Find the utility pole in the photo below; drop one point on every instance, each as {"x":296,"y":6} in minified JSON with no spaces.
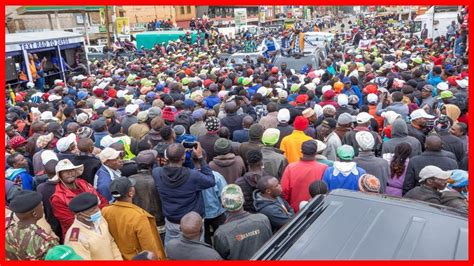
{"x":107,"y":25}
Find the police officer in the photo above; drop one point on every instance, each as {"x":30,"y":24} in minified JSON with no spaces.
{"x":25,"y":240}
{"x":89,"y":234}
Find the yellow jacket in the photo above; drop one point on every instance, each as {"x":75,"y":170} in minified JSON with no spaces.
{"x":92,"y":245}
{"x":133,"y":229}
{"x":291,"y":145}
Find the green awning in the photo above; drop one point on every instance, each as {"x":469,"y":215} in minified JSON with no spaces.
{"x":29,"y":10}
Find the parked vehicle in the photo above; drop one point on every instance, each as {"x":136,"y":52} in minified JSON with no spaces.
{"x":348,"y":225}
{"x":436,"y":19}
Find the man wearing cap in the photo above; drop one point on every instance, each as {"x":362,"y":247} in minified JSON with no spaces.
{"x":243,"y":233}
{"x":363,"y":122}
{"x":140,"y":129}
{"x":100,"y":130}
{"x":427,"y":99}
{"x":254,"y":142}
{"x":299,"y":175}
{"x":198,"y":128}
{"x":66,"y":189}
{"x":400,"y":135}
{"x":330,"y":138}
{"x":433,"y":181}
{"x":344,"y":125}
{"x":146,"y":196}
{"x":112,"y":161}
{"x":89,"y":234}
{"x":291,"y":144}
{"x":433,"y":155}
{"x":180,"y":188}
{"x":25,"y":240}
{"x":67,"y":147}
{"x":283,"y":118}
{"x":130,"y":118}
{"x":344,"y":174}
{"x":366,"y":159}
{"x":207,"y":141}
{"x":225,"y":162}
{"x":274,"y":162}
{"x":133,"y":229}
{"x":417,"y":126}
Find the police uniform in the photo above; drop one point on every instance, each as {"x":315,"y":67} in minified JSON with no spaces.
{"x":90,"y":242}
{"x":27,"y":242}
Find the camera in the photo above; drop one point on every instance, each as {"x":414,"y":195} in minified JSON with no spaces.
{"x":189,"y":144}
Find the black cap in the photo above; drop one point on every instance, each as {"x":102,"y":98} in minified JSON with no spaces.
{"x":330,"y":122}
{"x":25,"y":201}
{"x":83,"y":201}
{"x":120,"y":186}
{"x":309,"y":147}
{"x":99,"y":123}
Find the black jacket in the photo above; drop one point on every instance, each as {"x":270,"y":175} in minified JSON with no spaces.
{"x":248,"y":183}
{"x":442,"y":159}
{"x":91,"y":166}
{"x":452,"y":144}
{"x":278,"y":211}
{"x":233,"y":122}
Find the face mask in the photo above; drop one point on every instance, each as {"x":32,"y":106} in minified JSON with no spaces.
{"x":95,"y":217}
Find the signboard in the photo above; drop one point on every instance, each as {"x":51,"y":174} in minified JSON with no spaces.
{"x":240,"y":16}
{"x":307,"y":14}
{"x":123,"y":25}
{"x":41,"y":44}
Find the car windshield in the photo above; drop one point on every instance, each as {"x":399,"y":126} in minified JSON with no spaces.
{"x":240,"y":58}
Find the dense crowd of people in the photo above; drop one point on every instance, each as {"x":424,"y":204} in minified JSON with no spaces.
{"x":180,"y":155}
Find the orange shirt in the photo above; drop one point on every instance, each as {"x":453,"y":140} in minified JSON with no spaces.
{"x":291,"y":145}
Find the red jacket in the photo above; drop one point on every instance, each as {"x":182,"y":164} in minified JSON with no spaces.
{"x":297,"y":178}
{"x":63,"y":195}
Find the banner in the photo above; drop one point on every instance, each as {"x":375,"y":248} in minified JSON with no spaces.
{"x":262,"y":16}
{"x":240,"y":16}
{"x":123,"y":25}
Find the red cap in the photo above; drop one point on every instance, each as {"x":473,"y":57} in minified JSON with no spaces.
{"x":302,"y":99}
{"x":301,"y":123}
{"x":112,"y":93}
{"x":274,"y":70}
{"x":207,"y":82}
{"x":371,"y":88}
{"x":329,"y":94}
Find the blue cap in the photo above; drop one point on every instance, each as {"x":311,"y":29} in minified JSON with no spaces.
{"x":36,"y":99}
{"x":81,"y":95}
{"x":188,"y":103}
{"x":346,"y":80}
{"x":151,"y":94}
{"x":71,"y":91}
{"x":159,"y":87}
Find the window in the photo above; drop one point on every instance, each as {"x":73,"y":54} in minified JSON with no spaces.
{"x":181,"y":10}
{"x":188,"y":9}
{"x":79,"y":19}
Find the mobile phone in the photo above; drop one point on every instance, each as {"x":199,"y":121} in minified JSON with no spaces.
{"x":189,"y":144}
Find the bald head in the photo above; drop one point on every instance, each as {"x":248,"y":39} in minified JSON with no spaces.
{"x":191,"y":225}
{"x":247,"y":121}
{"x":433,"y":143}
{"x":85,"y":145}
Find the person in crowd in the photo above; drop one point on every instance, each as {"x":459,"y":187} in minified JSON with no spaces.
{"x":248,"y":182}
{"x":180,"y":188}
{"x":24,"y":239}
{"x":398,"y":169}
{"x":111,"y":160}
{"x":243,"y":233}
{"x":299,"y":175}
{"x":330,"y":137}
{"x":344,"y":173}
{"x":86,"y":157}
{"x":399,"y":134}
{"x":267,"y":200}
{"x":89,"y":234}
{"x":274,"y":162}
{"x":291,"y":144}
{"x":367,"y":160}
{"x":133,"y":229}
{"x":316,"y":188}
{"x":225,"y":162}
{"x":189,"y":246}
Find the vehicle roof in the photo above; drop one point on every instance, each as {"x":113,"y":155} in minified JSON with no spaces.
{"x":347,"y":225}
{"x":13,"y":38}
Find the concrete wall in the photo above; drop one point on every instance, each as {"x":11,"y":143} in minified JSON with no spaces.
{"x":145,"y":14}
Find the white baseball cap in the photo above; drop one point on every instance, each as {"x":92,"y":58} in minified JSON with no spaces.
{"x":442,"y":86}
{"x":433,"y":171}
{"x":131,"y":108}
{"x":372,"y":98}
{"x":420,"y":113}
{"x":109,"y":154}
{"x":363,"y":117}
{"x":283,"y":115}
{"x":342,"y":100}
{"x":463,"y":83}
